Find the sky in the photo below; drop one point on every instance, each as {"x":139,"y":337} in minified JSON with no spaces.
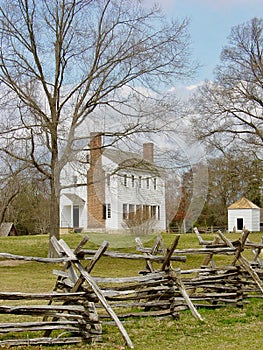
{"x":210,"y":25}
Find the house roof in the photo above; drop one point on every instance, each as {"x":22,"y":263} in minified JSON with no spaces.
{"x":6,"y":228}
{"x":128,"y":160}
{"x":243,"y":203}
{"x":74,"y":198}
{"x":118,"y":156}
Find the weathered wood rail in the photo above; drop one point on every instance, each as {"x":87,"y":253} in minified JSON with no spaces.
{"x":73,"y":317}
{"x":72,"y":313}
{"x":80,"y":303}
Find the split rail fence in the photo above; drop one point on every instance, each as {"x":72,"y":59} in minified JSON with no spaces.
{"x":81,"y":303}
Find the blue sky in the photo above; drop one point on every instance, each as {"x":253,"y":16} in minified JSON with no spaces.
{"x":211,"y":23}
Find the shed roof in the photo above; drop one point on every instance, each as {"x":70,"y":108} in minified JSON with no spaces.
{"x":243,"y":203}
{"x":74,"y":198}
{"x":7,"y":229}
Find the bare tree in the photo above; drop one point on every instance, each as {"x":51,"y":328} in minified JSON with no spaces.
{"x":230,"y":109}
{"x":231,"y":176}
{"x":65,"y":64}
{"x":10,"y":183}
{"x":22,"y":191}
{"x":9,"y":190}
{"x":172,"y":195}
{"x":29,"y":210}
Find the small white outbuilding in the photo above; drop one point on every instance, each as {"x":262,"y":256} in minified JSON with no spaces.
{"x":243,"y":214}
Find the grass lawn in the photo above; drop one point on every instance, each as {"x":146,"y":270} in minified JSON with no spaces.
{"x":225,"y":328}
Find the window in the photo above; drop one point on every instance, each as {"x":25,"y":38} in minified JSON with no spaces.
{"x":146,"y":212}
{"x":133,"y":180}
{"x":148,"y":183}
{"x":155,"y":183}
{"x":125,"y":211}
{"x":125,"y":180}
{"x":153,"y":211}
{"x":140,"y":182}
{"x":140,"y":211}
{"x":108,"y":211}
{"x":131,"y":211}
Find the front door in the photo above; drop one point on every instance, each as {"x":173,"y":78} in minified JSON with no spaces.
{"x":240,"y":224}
{"x":75,"y":216}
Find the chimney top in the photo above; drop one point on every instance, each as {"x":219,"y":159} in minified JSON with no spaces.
{"x":148,"y":151}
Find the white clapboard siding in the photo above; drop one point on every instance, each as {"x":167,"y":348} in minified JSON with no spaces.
{"x":246,"y":211}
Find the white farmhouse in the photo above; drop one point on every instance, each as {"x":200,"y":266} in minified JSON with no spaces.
{"x":123,"y":189}
{"x":243,"y":214}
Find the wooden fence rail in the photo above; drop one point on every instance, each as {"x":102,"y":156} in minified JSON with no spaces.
{"x":80,"y":303}
{"x":72,"y":314}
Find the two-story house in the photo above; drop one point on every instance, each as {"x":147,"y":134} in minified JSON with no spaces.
{"x":123,"y":189}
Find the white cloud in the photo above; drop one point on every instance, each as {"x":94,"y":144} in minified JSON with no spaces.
{"x":184,"y":91}
{"x":193,"y":87}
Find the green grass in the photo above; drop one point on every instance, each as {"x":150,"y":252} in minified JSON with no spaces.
{"x":224,"y":328}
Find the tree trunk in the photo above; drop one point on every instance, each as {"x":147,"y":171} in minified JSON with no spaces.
{"x":54,"y":217}
{"x":6,"y":199}
{"x":54,"y":197}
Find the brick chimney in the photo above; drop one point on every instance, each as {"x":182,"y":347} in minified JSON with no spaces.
{"x":95,"y":148}
{"x":96,"y":184}
{"x":148,"y":151}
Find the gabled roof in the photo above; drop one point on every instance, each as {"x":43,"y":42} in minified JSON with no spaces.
{"x":75,"y":199}
{"x":243,"y":203}
{"x":128,"y":160}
